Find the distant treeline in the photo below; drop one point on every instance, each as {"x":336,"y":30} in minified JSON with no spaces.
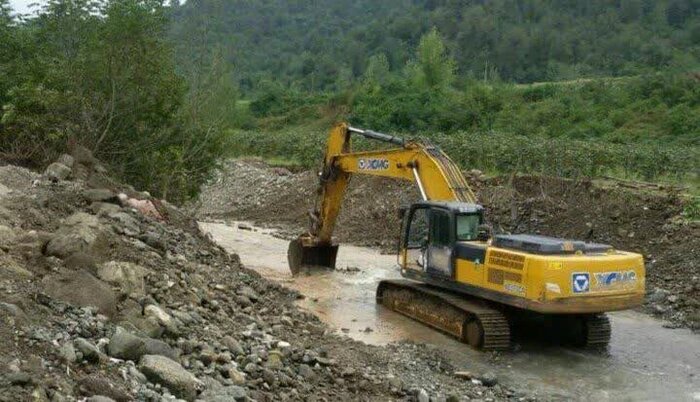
{"x":315,"y":45}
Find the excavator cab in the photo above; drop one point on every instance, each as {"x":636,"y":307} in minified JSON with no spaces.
{"x":433,"y":231}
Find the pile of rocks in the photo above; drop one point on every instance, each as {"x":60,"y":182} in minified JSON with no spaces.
{"x":105,"y":299}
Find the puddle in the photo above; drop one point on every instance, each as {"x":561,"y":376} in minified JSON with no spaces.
{"x":646,"y":362}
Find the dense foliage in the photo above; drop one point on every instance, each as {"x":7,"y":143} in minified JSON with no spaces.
{"x":324,"y":44}
{"x":497,"y":153}
{"x":101,"y":74}
{"x":640,"y":127}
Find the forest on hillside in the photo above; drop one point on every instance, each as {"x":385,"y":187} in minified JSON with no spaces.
{"x":163,"y":92}
{"x":317,"y":45}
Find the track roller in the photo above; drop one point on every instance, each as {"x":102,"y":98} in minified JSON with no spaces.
{"x":470,"y":321}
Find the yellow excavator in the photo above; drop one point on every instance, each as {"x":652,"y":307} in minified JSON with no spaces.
{"x":459,"y":277}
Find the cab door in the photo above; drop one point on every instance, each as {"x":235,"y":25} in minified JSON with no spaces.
{"x":440,"y":243}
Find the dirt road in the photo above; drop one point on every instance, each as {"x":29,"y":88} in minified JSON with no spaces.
{"x":646,"y":361}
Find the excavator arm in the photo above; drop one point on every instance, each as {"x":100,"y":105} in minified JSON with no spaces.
{"x":438,"y":178}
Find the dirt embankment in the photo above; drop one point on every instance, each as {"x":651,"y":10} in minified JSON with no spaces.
{"x":107,"y":292}
{"x":645,"y":219}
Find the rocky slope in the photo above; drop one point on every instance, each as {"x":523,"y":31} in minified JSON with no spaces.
{"x":107,"y":294}
{"x":642,"y":218}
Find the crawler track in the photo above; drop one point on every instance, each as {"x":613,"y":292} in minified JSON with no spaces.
{"x":469,"y":320}
{"x":596,"y":331}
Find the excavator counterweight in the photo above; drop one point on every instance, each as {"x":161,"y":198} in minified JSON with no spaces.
{"x":460,"y":278}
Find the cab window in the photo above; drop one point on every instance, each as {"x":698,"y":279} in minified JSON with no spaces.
{"x":418,"y":228}
{"x":439,"y":228}
{"x":468,"y":227}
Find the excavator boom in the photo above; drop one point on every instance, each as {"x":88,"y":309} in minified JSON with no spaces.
{"x":436,"y":175}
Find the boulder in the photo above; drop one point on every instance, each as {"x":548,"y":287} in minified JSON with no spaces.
{"x":78,"y":233}
{"x":98,"y":385}
{"x":101,"y":195}
{"x":488,"y":379}
{"x":89,"y":351}
{"x":125,"y":345}
{"x":104,"y":208}
{"x":129,"y":277}
{"x":12,"y":310}
{"x":7,"y":237}
{"x":170,"y":374}
{"x":57,"y":172}
{"x":80,"y":288}
{"x":232,"y":344}
{"x":9,"y":268}
{"x":99,"y":398}
{"x":224,"y":394}
{"x":164,"y":319}
{"x":66,"y":159}
{"x":67,"y":353}
{"x":126,"y":224}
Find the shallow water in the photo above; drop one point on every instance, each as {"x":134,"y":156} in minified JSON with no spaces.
{"x":646,"y":362}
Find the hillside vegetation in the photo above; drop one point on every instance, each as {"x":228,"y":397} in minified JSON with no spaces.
{"x":322,"y":44}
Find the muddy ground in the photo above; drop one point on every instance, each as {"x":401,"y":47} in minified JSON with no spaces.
{"x":110,"y":295}
{"x":636,"y":217}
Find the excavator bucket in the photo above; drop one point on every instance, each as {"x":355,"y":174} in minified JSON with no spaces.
{"x":310,"y":258}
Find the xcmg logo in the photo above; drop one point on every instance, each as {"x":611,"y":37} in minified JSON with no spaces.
{"x":373,"y":164}
{"x":614,"y":280}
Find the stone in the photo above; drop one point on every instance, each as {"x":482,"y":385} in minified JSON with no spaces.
{"x":224,"y":394}
{"x":488,"y":379}
{"x":235,"y":376}
{"x":467,"y":375}
{"x":4,"y":190}
{"x":274,"y":360}
{"x":423,"y":396}
{"x":162,"y":317}
{"x":98,"y":385}
{"x":57,"y":172}
{"x":20,"y":378}
{"x":7,"y":237}
{"x":658,"y":295}
{"x":81,"y":289}
{"x":89,"y":351}
{"x":66,"y":159}
{"x":101,"y":195}
{"x":9,"y":266}
{"x":129,"y":277}
{"x":78,"y":233}
{"x":67,"y":353}
{"x":126,"y":224}
{"x":154,"y":240}
{"x":395,"y":382}
{"x":306,"y":372}
{"x":99,"y":398}
{"x":13,"y":310}
{"x":248,"y":292}
{"x":170,"y":374}
{"x":104,"y":208}
{"x":127,"y":346}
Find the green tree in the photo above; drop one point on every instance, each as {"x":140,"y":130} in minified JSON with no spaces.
{"x":433,"y":67}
